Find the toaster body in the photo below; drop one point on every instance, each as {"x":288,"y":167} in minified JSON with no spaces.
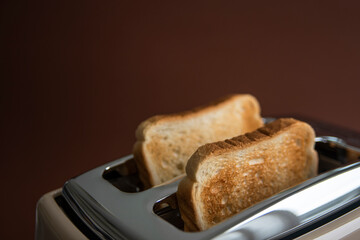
{"x":109,"y":202}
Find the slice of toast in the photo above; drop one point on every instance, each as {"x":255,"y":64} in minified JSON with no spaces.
{"x":165,"y":142}
{"x":223,"y":178}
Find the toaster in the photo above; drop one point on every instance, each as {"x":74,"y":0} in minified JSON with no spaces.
{"x":110,"y":202}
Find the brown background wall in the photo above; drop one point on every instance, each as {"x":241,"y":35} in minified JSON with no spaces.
{"x":77,"y":77}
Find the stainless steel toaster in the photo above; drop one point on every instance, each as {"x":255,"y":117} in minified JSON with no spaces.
{"x":109,"y":202}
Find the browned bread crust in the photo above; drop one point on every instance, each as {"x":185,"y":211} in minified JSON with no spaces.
{"x":165,"y":142}
{"x":226,"y":177}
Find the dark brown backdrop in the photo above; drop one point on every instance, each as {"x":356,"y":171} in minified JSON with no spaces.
{"x":77,"y":77}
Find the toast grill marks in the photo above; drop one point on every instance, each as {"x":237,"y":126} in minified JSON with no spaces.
{"x":165,"y":143}
{"x":226,"y":177}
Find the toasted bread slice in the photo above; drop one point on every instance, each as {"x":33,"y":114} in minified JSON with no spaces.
{"x":223,"y":178}
{"x":165,"y":142}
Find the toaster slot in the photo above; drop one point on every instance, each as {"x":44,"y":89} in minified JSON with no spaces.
{"x":333,"y":153}
{"x":167,"y":209}
{"x":124,"y":177}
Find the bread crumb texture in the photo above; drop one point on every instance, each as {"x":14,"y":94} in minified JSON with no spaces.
{"x":166,"y":142}
{"x":235,"y":174}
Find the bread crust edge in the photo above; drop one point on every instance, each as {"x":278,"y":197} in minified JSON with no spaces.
{"x":186,"y":194}
{"x":144,"y":164}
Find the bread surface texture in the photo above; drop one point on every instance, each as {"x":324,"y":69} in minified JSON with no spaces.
{"x":166,"y":142}
{"x":226,"y":177}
